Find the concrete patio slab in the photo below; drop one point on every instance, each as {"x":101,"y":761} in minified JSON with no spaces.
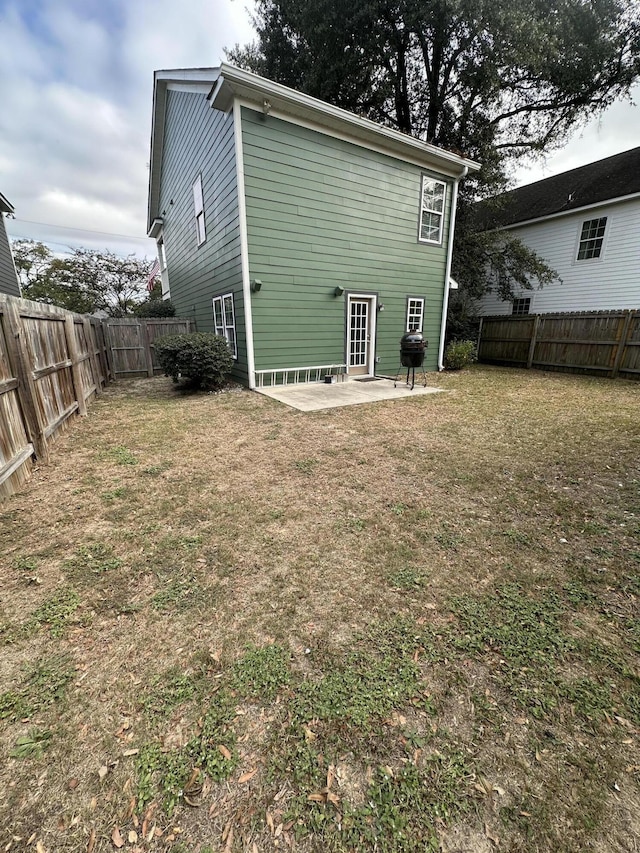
{"x":315,"y":396}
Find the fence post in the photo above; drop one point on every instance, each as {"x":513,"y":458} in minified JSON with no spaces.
{"x":621,"y":343}
{"x":76,"y":373}
{"x":91,"y":348}
{"x":532,"y":343}
{"x":144,"y":336}
{"x":479,"y":338}
{"x":26,"y":385}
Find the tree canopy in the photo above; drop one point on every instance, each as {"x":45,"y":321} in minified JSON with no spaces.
{"x":86,"y":281}
{"x":496,"y":80}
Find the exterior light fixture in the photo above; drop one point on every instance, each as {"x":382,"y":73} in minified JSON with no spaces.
{"x":256,"y":285}
{"x":338,"y":291}
{"x":380,"y":306}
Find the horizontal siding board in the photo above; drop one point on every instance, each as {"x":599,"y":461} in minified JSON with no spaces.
{"x":200,"y":140}
{"x":322,"y":212}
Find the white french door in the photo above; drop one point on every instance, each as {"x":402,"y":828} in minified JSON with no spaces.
{"x":361,"y":313}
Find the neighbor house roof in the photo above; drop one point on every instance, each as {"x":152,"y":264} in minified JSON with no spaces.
{"x":604,"y":181}
{"x":227,"y":83}
{"x":5,"y":205}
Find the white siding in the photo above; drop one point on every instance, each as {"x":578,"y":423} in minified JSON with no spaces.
{"x":604,"y":284}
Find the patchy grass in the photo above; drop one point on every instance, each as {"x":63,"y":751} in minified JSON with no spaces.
{"x":409,"y":625}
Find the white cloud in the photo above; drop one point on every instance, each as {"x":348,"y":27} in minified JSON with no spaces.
{"x":76,"y":91}
{"x":76,"y":88}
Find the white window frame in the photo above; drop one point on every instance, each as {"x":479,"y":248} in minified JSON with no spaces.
{"x":432,"y":211}
{"x":224,"y":327}
{"x":591,"y":240}
{"x":198,"y":205}
{"x":415,"y":309}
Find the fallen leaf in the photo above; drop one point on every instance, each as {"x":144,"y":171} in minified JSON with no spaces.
{"x":316,"y":798}
{"x":118,"y":840}
{"x":103,"y":772}
{"x":72,"y":784}
{"x":224,"y":751}
{"x":490,"y":836}
{"x":132,"y":837}
{"x":269,"y":818}
{"x":92,"y":841}
{"x":129,"y":752}
{"x":40,"y":848}
{"x":228,"y":845}
{"x":247,"y":776}
{"x":309,"y":735}
{"x":333,"y":798}
{"x":278,"y":831}
{"x":500,"y":791}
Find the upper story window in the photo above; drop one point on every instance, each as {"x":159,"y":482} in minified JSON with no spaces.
{"x":591,"y":239}
{"x":432,"y":198}
{"x":521,"y":306}
{"x":415,"y":314}
{"x":198,"y":204}
{"x":224,"y":320}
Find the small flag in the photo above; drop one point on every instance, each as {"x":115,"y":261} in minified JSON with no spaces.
{"x":153,"y":272}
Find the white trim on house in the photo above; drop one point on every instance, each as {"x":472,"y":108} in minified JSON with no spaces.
{"x":603,"y":240}
{"x":432,"y":211}
{"x":270,"y":96}
{"x":222,"y":328}
{"x":335,"y":133}
{"x":372,"y":300}
{"x":447,"y":274}
{"x":415,"y":315}
{"x":244,"y":246}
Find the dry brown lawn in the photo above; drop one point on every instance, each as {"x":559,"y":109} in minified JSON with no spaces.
{"x":228,"y":625}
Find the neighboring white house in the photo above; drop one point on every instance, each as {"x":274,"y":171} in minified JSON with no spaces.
{"x":585,"y":223}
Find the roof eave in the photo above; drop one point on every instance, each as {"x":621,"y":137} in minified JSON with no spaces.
{"x":5,"y":205}
{"x":557,"y":214}
{"x":237,"y":83}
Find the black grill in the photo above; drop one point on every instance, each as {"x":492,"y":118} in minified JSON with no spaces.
{"x":412,"y":347}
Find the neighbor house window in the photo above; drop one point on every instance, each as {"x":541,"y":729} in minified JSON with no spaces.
{"x":521,"y":306}
{"x":415,"y":314}
{"x":198,"y":204}
{"x":224,"y":320}
{"x":591,"y":239}
{"x":432,"y":199}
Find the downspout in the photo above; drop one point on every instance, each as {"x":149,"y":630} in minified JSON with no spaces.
{"x":445,"y":301}
{"x":244,"y":245}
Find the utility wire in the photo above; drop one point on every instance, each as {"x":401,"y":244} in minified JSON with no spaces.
{"x":83,"y":230}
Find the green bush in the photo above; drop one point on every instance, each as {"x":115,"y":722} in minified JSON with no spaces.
{"x":459,"y":354}
{"x":155,"y":307}
{"x":200,"y":359}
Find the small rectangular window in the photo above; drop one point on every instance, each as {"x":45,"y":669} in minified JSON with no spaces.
{"x":198,"y":203}
{"x":432,"y":200}
{"x":224,"y":320}
{"x":162,"y":257}
{"x":591,"y":239}
{"x":521,"y":306}
{"x":415,"y":314}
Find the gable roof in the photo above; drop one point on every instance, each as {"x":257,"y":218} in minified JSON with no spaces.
{"x":5,"y":205}
{"x":596,"y":183}
{"x":226,"y":83}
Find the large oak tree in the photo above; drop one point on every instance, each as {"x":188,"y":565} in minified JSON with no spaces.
{"x":496,"y":80}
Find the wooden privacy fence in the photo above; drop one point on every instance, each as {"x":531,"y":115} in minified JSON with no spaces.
{"x":52,"y":362}
{"x":605,"y":343}
{"x":130,"y":343}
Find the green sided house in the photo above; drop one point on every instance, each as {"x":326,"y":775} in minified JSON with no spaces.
{"x":310,"y":238}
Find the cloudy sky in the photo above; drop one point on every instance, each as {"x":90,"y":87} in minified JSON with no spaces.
{"x":75,"y":109}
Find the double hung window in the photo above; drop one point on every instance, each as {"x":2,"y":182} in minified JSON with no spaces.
{"x":224,"y":320}
{"x":198,"y":204}
{"x":432,"y":200}
{"x":591,"y":239}
{"x":415,"y":314}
